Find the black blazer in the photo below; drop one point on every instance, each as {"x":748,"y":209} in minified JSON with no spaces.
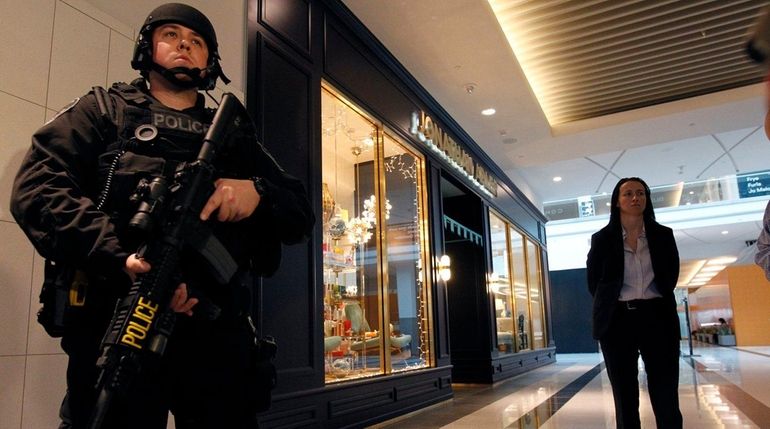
{"x":605,"y":266}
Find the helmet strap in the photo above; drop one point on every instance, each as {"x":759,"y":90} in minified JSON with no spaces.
{"x":170,"y":75}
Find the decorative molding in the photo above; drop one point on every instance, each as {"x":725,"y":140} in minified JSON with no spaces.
{"x":302,"y":47}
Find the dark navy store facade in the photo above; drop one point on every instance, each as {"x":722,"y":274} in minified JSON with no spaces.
{"x":368,"y":325}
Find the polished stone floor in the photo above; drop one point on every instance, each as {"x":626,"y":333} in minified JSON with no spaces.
{"x":719,"y":387}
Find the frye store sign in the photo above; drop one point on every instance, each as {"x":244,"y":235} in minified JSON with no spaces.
{"x":753,"y":185}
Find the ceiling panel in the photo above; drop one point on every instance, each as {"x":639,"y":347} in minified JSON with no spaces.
{"x":593,"y":58}
{"x":751,"y":150}
{"x":682,"y":158}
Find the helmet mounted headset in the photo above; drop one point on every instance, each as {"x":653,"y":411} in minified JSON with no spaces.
{"x":193,"y":19}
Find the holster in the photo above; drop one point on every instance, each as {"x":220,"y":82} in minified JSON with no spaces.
{"x":63,"y":292}
{"x":264,"y":377}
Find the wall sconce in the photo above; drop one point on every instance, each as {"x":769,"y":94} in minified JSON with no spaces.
{"x":444,"y":268}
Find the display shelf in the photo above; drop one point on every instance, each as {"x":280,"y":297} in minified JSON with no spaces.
{"x":338,"y":267}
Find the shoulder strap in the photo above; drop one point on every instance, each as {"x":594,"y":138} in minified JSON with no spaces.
{"x":106,"y":107}
{"x":130,"y":92}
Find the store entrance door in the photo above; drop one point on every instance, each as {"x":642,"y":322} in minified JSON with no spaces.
{"x":468,"y":306}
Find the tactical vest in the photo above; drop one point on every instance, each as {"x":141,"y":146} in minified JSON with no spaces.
{"x":147,"y":140}
{"x":144,"y":139}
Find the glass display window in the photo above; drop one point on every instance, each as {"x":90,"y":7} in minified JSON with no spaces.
{"x":535,"y":281}
{"x":520,"y":292}
{"x":500,"y":284}
{"x":516,"y":287}
{"x":376,"y":295}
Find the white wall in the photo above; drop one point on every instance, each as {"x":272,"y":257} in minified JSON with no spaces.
{"x":52,"y":51}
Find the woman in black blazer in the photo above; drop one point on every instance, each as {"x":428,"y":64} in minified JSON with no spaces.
{"x":632,"y":269}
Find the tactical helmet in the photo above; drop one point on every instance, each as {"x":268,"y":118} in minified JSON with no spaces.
{"x":191,"y":18}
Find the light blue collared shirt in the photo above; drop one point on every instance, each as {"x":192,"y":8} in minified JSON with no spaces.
{"x":638,"y":277}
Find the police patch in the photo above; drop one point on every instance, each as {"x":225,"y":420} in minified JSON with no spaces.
{"x":179,"y":122}
{"x":69,"y":106}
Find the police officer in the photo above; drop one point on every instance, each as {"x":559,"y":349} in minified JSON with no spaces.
{"x":72,"y":197}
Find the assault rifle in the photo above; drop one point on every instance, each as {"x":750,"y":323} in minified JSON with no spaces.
{"x":169,"y":216}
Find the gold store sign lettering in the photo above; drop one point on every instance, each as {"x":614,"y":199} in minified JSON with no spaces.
{"x":431,"y":134}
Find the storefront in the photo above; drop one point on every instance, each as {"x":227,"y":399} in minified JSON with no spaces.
{"x":427,"y":264}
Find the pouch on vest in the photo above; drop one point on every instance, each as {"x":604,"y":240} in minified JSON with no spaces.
{"x":63,"y":293}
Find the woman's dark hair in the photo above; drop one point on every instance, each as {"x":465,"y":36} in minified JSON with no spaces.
{"x":649,"y":213}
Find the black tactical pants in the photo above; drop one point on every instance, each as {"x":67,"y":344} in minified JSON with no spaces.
{"x":205,"y":379}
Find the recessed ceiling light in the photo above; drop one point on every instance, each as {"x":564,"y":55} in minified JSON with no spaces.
{"x":557,"y":179}
{"x":488,"y":112}
{"x":705,"y":276}
{"x":725,"y":232}
{"x":725,"y":260}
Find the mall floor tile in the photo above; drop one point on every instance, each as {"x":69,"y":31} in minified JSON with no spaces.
{"x":719,"y":387}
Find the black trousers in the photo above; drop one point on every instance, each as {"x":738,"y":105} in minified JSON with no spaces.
{"x":205,"y":379}
{"x":649,"y":328}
